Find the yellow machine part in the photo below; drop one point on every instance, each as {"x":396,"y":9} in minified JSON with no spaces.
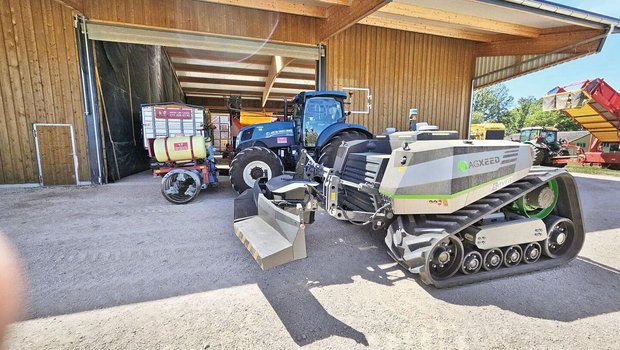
{"x":180,"y":148}
{"x":249,"y":118}
{"x":594,"y":120}
{"x":478,"y":131}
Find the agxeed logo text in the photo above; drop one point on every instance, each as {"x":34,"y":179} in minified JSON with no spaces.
{"x":464,"y":165}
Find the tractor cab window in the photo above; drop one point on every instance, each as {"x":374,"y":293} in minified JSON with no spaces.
{"x":550,"y":136}
{"x":319,"y":113}
{"x":525,"y":135}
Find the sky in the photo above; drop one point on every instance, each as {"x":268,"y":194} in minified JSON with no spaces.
{"x":605,"y":64}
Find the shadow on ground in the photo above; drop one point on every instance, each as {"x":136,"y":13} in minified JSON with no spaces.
{"x":583,"y":288}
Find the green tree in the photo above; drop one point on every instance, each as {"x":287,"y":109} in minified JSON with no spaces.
{"x":494,"y":103}
{"x":477,"y":117}
{"x":556,"y":119}
{"x":525,"y":107}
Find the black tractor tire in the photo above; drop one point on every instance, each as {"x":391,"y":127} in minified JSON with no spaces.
{"x":327,"y":154}
{"x":538,"y":154}
{"x":251,"y":157}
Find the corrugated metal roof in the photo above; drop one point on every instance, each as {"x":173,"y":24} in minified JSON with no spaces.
{"x":490,"y":70}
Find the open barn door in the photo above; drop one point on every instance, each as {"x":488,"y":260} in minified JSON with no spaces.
{"x":225,"y":74}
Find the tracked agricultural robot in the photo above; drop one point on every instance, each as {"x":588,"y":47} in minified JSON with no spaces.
{"x":453,"y":211}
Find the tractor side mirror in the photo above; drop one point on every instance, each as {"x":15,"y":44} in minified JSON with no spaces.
{"x":360,"y":100}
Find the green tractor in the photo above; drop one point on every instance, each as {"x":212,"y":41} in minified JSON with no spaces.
{"x":546,"y":148}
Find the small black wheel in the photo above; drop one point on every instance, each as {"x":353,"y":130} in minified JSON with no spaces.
{"x":180,"y":186}
{"x":472,"y":262}
{"x":445,"y":258}
{"x":561,"y":236}
{"x":512,"y":255}
{"x":531,"y":253}
{"x":493,"y":259}
{"x":327,"y":154}
{"x":251,"y":164}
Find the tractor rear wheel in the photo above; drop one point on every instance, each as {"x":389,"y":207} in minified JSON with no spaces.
{"x":251,"y":164}
{"x":327,"y":154}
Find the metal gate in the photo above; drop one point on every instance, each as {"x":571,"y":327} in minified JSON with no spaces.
{"x":56,"y":154}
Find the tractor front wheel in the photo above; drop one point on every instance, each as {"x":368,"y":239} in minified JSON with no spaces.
{"x":327,"y":154}
{"x":252,"y":164}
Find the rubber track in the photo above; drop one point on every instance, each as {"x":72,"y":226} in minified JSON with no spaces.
{"x":428,"y":229}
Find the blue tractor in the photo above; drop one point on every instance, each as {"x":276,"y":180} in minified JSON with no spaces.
{"x":318,"y":125}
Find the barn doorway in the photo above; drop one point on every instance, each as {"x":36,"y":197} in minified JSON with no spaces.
{"x":226,"y":75}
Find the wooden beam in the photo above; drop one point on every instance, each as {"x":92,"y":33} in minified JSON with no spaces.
{"x":424,"y":28}
{"x":77,"y":5}
{"x":340,"y":18}
{"x":224,"y":92}
{"x":225,"y":57}
{"x":545,"y":43}
{"x":238,"y":71}
{"x":337,"y":2}
{"x":278,"y":63}
{"x":218,"y":69}
{"x":283,"y":6}
{"x":426,"y":13}
{"x":231,"y":57}
{"x":223,"y":82}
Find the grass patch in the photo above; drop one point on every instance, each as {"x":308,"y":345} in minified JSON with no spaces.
{"x":595,"y":170}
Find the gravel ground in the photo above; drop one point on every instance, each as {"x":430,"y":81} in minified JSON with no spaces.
{"x":118,"y":267}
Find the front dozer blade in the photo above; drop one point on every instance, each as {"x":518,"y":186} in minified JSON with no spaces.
{"x":273,"y":235}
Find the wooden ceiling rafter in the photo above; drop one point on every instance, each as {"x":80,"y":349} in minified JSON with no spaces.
{"x":278,"y":63}
{"x":478,"y":23}
{"x":225,"y":82}
{"x":295,"y":8}
{"x":545,"y":43}
{"x":339,"y":18}
{"x":379,"y":21}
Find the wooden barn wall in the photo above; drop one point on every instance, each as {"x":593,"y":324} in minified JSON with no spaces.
{"x":39,"y":83}
{"x":205,"y":17}
{"x":404,"y":70}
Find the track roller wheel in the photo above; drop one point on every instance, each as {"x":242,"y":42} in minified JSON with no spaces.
{"x":472,"y":262}
{"x":512,"y":255}
{"x":531,"y":253}
{"x":493,"y":259}
{"x":561,"y":235}
{"x":445,"y":258}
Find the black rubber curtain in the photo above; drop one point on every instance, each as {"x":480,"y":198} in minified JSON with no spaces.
{"x":130,"y":75}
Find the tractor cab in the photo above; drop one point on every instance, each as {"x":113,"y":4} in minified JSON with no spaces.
{"x":314,"y":112}
{"x":541,"y":135}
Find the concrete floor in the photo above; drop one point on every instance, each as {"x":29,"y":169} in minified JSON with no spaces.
{"x":118,"y":267}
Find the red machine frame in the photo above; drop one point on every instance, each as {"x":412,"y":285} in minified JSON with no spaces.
{"x":596,"y":156}
{"x":609,"y":101}
{"x":161,"y":171}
